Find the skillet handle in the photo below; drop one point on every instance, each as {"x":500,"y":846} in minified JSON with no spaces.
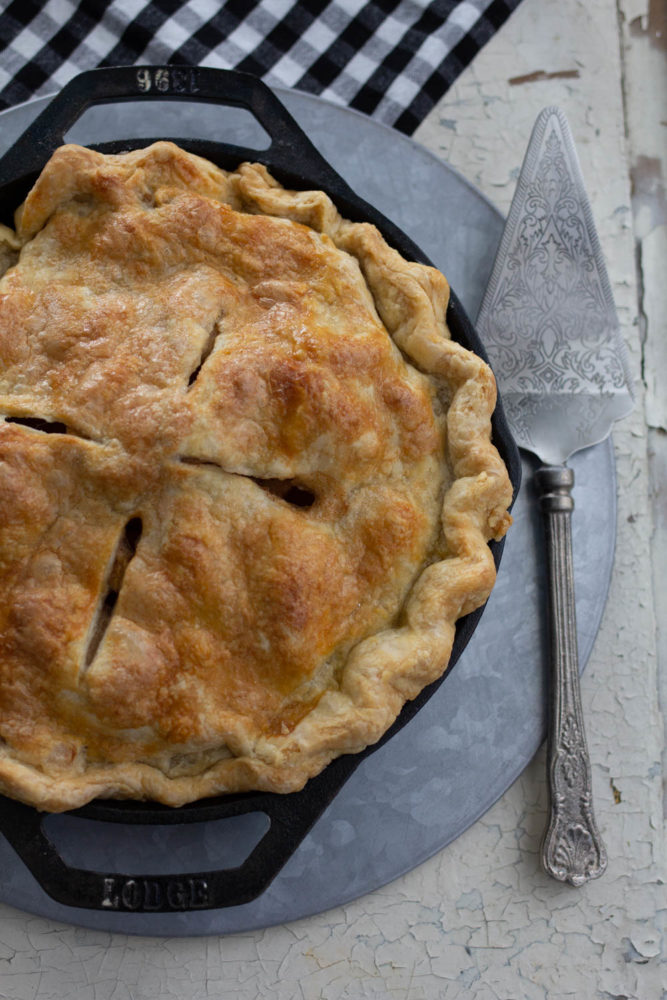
{"x":291,"y":151}
{"x":291,"y":817}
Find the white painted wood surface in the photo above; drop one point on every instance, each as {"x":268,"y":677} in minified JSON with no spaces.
{"x":480,"y":920}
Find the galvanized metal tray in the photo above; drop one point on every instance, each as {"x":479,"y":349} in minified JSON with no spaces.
{"x":436,"y":776}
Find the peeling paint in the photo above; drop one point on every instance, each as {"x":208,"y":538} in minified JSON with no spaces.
{"x":540,"y":75}
{"x":649,"y":203}
{"x":652,"y":25}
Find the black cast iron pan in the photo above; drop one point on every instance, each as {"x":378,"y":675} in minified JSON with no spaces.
{"x":295,"y":162}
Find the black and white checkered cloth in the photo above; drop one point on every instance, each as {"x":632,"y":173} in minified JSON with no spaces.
{"x":392,"y":59}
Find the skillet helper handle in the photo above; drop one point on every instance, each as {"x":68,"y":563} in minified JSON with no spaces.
{"x":291,"y":817}
{"x":572,"y":850}
{"x":290,"y":151}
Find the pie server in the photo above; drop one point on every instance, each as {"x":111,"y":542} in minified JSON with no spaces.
{"x":549,"y":324}
{"x":294,"y":160}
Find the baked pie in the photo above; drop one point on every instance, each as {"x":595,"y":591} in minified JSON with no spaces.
{"x":246,"y":482}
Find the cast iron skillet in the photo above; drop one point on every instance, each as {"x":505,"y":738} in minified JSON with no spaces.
{"x":295,"y":162}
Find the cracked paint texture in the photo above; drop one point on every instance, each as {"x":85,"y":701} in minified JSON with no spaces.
{"x":480,"y":920}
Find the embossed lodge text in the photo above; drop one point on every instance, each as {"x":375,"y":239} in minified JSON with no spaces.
{"x":143,"y":894}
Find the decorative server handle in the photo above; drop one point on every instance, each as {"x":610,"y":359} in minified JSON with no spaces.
{"x":572,"y":850}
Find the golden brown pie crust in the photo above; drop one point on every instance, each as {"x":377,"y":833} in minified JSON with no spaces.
{"x":246,"y":482}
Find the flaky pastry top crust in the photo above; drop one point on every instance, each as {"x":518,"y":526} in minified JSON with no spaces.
{"x":246,"y":479}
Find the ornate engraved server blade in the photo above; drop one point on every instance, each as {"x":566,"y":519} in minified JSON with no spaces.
{"x":548,"y":316}
{"x":550,"y":327}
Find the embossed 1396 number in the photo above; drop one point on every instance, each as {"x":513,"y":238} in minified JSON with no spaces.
{"x":175,"y":80}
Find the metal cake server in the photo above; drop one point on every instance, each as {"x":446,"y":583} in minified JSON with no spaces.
{"x":549,"y":323}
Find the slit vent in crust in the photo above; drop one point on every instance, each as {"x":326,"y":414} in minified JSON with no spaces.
{"x":206,"y":351}
{"x":125,"y":550}
{"x":289,"y":490}
{"x":45,"y":426}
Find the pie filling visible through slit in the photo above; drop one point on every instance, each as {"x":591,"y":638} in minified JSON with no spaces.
{"x":246,"y":482}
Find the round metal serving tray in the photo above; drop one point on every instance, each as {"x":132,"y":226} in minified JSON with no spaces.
{"x":440,"y":772}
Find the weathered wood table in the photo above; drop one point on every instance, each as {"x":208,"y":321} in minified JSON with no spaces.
{"x":479,"y":919}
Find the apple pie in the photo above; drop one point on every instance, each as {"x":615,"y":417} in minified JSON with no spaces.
{"x":247,"y":482}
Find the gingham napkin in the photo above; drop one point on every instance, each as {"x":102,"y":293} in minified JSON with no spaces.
{"x":392,"y":59}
